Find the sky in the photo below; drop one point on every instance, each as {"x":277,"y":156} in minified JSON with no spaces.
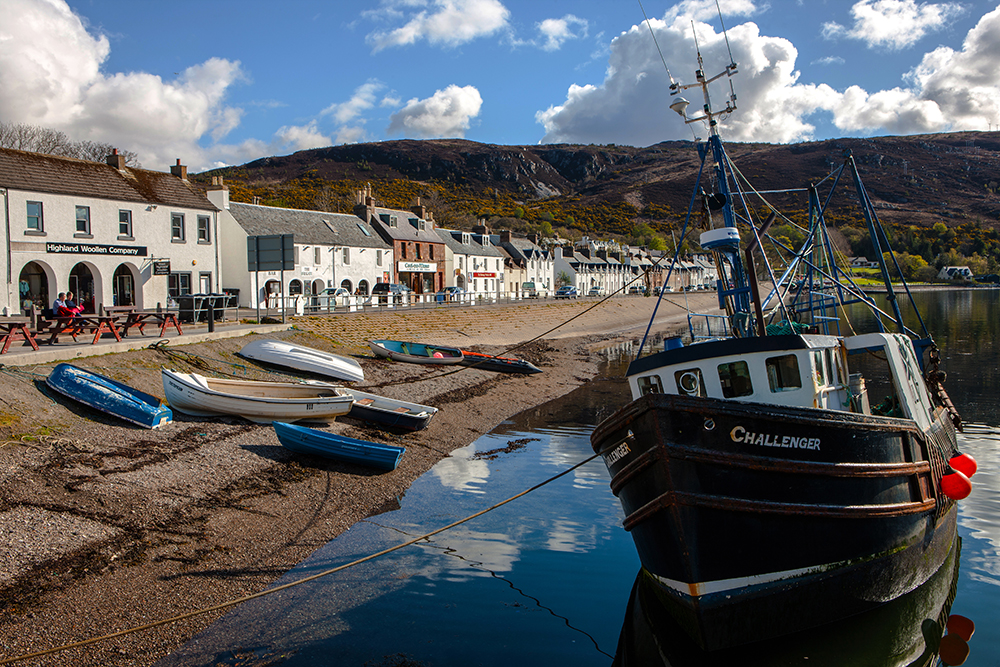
{"x":224,"y":82}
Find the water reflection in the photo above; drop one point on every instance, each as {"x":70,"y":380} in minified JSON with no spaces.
{"x":906,"y":632}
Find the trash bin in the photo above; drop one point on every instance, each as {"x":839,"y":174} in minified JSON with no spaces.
{"x":218,"y":302}
{"x":232,"y":297}
{"x":188,"y":306}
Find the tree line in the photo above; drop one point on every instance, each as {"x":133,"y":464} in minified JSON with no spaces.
{"x":37,"y":139}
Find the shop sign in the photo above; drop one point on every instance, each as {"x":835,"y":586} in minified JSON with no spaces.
{"x":161,"y":268}
{"x":95,"y":249}
{"x":483,"y":274}
{"x":417,"y":267}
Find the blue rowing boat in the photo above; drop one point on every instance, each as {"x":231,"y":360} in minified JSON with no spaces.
{"x":305,"y":440}
{"x":106,"y":395}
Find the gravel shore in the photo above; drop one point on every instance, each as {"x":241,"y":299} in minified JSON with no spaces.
{"x":106,"y":527}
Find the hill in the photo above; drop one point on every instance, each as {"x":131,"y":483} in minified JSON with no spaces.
{"x":915,"y":181}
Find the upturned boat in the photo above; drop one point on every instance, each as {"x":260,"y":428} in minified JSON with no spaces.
{"x":416,"y":353}
{"x":261,"y":402}
{"x":302,"y":358}
{"x":109,"y":396}
{"x":775,"y":472}
{"x":330,"y":445}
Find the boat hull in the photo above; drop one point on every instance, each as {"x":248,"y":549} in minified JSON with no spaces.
{"x":416,"y":353}
{"x":301,"y":358}
{"x":260,"y":402}
{"x":108,"y":396}
{"x":730,"y":501}
{"x":330,"y":445}
{"x":488,"y":362}
{"x":389,"y":411}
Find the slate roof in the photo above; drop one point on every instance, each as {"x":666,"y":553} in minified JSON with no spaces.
{"x":309,"y":227}
{"x":474,"y":247}
{"x":404,"y":231}
{"x":523,"y":247}
{"x":52,"y":174}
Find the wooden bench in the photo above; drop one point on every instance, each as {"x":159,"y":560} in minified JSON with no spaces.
{"x":16,"y":329}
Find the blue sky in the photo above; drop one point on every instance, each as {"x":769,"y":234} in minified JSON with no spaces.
{"x":218,"y":82}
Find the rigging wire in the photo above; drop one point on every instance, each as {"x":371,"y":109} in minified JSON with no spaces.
{"x":653,"y":35}
{"x":299,"y":582}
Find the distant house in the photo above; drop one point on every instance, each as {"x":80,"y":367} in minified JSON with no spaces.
{"x":956,"y":273}
{"x":862,"y":263}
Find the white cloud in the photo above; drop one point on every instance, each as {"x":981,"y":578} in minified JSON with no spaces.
{"x":50,"y":75}
{"x":447,"y":113}
{"x":706,"y":10}
{"x":362,"y":100}
{"x":829,"y":60}
{"x":948,"y":90}
{"x":300,"y":137}
{"x":893,"y":24}
{"x":557,"y":31}
{"x":446,"y":23}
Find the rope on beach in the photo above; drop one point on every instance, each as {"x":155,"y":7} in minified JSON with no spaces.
{"x":197,"y":361}
{"x":319,"y":575}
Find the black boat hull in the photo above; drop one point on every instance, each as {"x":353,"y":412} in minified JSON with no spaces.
{"x":772,"y":506}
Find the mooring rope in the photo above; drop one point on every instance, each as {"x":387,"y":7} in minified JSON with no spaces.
{"x":299,"y":582}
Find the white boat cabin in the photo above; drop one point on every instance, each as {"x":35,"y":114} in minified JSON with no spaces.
{"x":806,"y":371}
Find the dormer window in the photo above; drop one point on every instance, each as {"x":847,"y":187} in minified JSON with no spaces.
{"x":466,"y":239}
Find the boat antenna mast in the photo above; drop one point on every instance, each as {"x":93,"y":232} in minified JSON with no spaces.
{"x":724,"y":242}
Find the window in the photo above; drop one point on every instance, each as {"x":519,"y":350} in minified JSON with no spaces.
{"x":317,"y":255}
{"x":295,"y":287}
{"x":402,"y":247}
{"x":205,"y":283}
{"x":177,"y":227}
{"x":295,"y":255}
{"x":650,"y":384}
{"x":125,"y":223}
{"x":178,"y":284}
{"x":204,"y":222}
{"x":35,"y":222}
{"x":735,"y":379}
{"x":690,"y":382}
{"x":347,"y":256}
{"x":431,"y":250}
{"x":364,"y":230}
{"x":82,"y":219}
{"x":818,"y":368}
{"x":418,"y":251}
{"x":378,"y":258}
{"x":460,"y":258}
{"x":783,"y":373}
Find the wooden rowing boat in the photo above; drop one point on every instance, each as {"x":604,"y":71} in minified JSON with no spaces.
{"x":330,"y":445}
{"x":416,"y":353}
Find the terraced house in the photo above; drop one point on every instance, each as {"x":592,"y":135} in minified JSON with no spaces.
{"x":110,"y":233}
{"x":472,"y":262}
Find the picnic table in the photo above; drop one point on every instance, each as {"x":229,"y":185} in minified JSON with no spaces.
{"x":16,"y":328}
{"x":98,"y":324}
{"x":140,"y":318}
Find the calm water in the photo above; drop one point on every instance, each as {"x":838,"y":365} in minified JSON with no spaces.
{"x":546,"y":579}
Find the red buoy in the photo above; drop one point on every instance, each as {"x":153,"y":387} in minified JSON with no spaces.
{"x":953,"y":650}
{"x":961,"y":626}
{"x":956,"y":486}
{"x":964,"y":464}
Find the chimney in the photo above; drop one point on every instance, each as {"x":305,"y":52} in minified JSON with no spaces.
{"x":534,"y":238}
{"x":504,"y":236}
{"x":115,"y":160}
{"x":179,"y":170}
{"x":567,"y":251}
{"x":218,"y":193}
{"x":419,"y":210}
{"x":481,"y":228}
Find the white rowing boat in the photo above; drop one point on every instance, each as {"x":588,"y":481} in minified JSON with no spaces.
{"x":302,"y":358}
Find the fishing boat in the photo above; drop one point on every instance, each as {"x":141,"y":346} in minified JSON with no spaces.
{"x":109,"y":396}
{"x":261,"y":402}
{"x":488,"y":362}
{"x":767,"y":485}
{"x":302,"y":358}
{"x":416,"y":353}
{"x":330,"y":445}
{"x":389,"y":411}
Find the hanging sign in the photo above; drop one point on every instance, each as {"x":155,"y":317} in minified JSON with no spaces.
{"x":161,"y":267}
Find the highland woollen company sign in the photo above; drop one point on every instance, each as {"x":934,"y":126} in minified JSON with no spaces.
{"x":95,"y":249}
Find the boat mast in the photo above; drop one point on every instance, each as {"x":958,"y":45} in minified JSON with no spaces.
{"x":734,"y":287}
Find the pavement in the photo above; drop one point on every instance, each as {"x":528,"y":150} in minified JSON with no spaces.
{"x":461,"y":325}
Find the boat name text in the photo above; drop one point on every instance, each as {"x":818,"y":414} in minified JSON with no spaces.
{"x":740,"y":434}
{"x":616,"y":454}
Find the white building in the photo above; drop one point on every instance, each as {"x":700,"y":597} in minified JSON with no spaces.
{"x":330,"y":250}
{"x":112,"y":234}
{"x":536,"y":265}
{"x":472,"y":263}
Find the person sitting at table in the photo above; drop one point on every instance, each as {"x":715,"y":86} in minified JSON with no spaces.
{"x":59,"y":303}
{"x":71,"y":306}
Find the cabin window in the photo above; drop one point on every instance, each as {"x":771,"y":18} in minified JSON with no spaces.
{"x":690,"y":382}
{"x":735,"y":379}
{"x":650,"y":384}
{"x":836,"y":372}
{"x":783,"y":373}
{"x":818,"y":368}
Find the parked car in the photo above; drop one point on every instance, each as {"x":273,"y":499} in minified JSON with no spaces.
{"x":530,"y":290}
{"x":636,"y":289}
{"x":595,"y":291}
{"x":383,"y":290}
{"x":450,"y":294}
{"x":332,"y":297}
{"x":566,"y":292}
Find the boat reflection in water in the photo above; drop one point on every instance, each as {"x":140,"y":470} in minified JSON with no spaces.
{"x":906,"y":632}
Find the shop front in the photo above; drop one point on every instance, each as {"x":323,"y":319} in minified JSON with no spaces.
{"x":421,"y":277}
